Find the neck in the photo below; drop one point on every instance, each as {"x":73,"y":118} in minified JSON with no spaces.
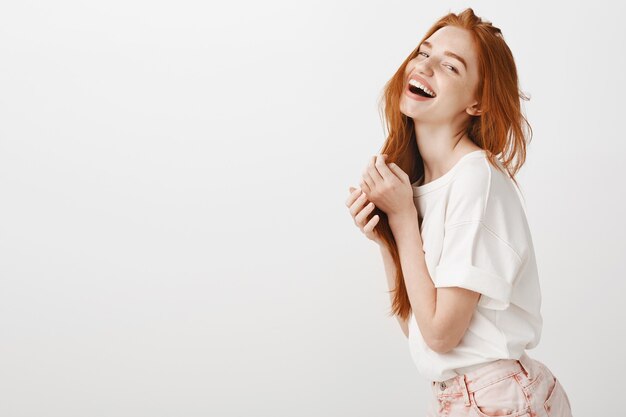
{"x":440,"y":148}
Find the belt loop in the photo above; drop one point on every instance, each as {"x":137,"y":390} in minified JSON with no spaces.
{"x":526,"y":364}
{"x":465,"y":390}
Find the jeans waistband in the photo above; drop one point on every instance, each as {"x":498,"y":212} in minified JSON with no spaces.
{"x":484,"y":375}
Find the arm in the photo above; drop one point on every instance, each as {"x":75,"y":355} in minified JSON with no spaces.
{"x":390,"y":271}
{"x":442,"y":314}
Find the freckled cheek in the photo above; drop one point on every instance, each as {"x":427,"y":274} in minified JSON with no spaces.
{"x":463,"y":90}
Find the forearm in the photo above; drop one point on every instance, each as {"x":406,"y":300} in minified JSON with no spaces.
{"x":420,"y":288}
{"x":390,"y":272}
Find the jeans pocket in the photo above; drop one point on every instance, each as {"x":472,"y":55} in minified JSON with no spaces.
{"x":557,"y":403}
{"x":505,"y":397}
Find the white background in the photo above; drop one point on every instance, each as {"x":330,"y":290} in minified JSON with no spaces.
{"x":173,"y":235}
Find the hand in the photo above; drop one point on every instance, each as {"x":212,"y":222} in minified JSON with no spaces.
{"x":388,"y":187}
{"x":355,"y":202}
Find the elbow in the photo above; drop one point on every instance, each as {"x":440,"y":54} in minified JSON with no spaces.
{"x":440,"y":346}
{"x":444,"y":338}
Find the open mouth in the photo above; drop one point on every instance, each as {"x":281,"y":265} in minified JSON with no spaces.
{"x":420,"y":89}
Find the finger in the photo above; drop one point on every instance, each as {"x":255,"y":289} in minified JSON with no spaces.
{"x":353,"y":196}
{"x":386,"y":173}
{"x":366,"y":188}
{"x":371,"y":224}
{"x":361,"y":217}
{"x":373,"y":172}
{"x":398,"y":172}
{"x":368,"y":181}
{"x":358,"y":203}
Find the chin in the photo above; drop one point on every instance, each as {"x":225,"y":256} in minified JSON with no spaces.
{"x":412,"y":113}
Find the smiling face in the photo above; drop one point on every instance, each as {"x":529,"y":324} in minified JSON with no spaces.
{"x":447,"y":65}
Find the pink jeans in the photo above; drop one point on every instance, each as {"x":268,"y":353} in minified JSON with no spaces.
{"x":506,"y":387}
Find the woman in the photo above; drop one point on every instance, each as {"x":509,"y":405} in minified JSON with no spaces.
{"x":441,"y":202}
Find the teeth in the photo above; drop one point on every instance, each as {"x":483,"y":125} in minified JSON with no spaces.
{"x":417,"y":84}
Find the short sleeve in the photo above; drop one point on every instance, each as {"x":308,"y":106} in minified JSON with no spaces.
{"x":475,"y":257}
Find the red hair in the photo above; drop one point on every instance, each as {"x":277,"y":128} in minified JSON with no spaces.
{"x":501,"y":130}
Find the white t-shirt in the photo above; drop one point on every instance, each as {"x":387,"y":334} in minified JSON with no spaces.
{"x":475,"y":235}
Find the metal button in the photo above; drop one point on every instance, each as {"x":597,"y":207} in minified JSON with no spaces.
{"x":443,"y":385}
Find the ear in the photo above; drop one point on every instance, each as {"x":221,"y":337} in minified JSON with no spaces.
{"x":474,"y":110}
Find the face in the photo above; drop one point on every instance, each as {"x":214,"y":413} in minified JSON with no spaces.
{"x":451,"y":80}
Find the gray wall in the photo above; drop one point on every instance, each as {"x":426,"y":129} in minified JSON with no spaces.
{"x":173,"y":235}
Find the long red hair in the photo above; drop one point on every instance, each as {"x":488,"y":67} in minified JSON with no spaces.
{"x":502,"y":129}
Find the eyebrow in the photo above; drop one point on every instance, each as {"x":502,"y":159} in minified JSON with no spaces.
{"x":448,"y":53}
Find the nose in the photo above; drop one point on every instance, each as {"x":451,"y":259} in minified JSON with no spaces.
{"x":425,"y":69}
